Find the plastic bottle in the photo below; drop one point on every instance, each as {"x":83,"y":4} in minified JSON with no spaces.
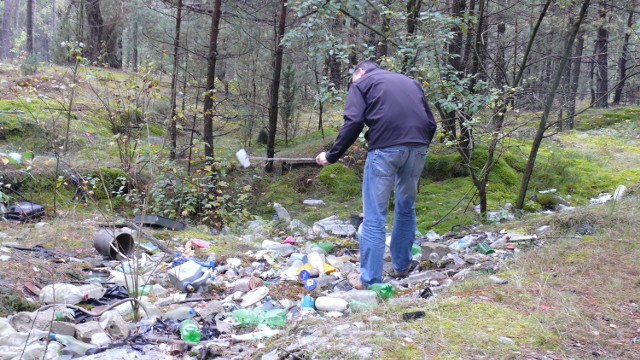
{"x":384,"y":290}
{"x":323,"y":247}
{"x":189,"y":331}
{"x":61,"y":293}
{"x":369,"y":297}
{"x":72,"y":344}
{"x":308,"y":302}
{"x":276,"y":317}
{"x":92,"y":291}
{"x":326,"y":303}
{"x":64,"y":314}
{"x":434,"y":257}
{"x":416,"y":249}
{"x":181,"y":313}
{"x":484,"y":248}
{"x":358,"y":306}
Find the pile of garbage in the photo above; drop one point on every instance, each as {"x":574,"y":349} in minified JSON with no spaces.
{"x":159,"y":304}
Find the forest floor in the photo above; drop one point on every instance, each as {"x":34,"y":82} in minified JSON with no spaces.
{"x":577,"y":296}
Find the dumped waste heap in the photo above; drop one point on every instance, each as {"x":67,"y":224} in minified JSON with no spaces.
{"x":154,"y":303}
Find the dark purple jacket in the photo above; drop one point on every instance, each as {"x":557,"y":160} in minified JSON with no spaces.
{"x":392,"y":106}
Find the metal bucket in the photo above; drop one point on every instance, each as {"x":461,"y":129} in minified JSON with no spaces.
{"x":113,"y":244}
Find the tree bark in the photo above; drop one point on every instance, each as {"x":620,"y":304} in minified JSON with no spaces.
{"x":96,"y":27}
{"x":602,"y":52}
{"x":211,"y":78}
{"x":575,"y":77}
{"x":622,"y":62}
{"x":275,"y":85}
{"x":30,"y":12}
{"x":173,"y":131}
{"x":542,"y":126}
{"x":7,"y":33}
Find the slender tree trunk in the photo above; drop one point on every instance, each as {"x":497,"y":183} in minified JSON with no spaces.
{"x":7,"y":33}
{"x":30,"y":12}
{"x":592,"y":72}
{"x":602,"y":52}
{"x":468,"y":43}
{"x":173,"y":132}
{"x":275,"y":84}
{"x":622,"y":63}
{"x":413,"y":12}
{"x":211,"y":78}
{"x":134,"y":41}
{"x":575,"y":77}
{"x":542,"y":126}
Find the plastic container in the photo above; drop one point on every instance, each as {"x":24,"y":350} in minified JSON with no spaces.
{"x":61,"y":293}
{"x":64,"y":314}
{"x":308,"y":302}
{"x":484,"y":248}
{"x":324,"y":247}
{"x":359,"y":306}
{"x":188,"y":275}
{"x":275,"y":317}
{"x":92,"y":291}
{"x":434,"y":257}
{"x":416,"y":249}
{"x":365,"y":296}
{"x":72,"y":344}
{"x":326,"y":303}
{"x":181,"y":313}
{"x":189,"y":331}
{"x":310,"y":284}
{"x":384,"y":290}
{"x":247,"y":284}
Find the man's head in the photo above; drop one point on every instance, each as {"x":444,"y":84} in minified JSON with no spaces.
{"x":362,"y":68}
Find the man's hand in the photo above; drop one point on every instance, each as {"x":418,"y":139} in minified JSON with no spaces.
{"x":321,"y":159}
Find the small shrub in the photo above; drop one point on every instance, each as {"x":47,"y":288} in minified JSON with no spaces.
{"x":29,"y":66}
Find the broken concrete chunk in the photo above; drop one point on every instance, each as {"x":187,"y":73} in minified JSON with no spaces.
{"x":85,"y":331}
{"x":25,"y":321}
{"x":64,"y":328}
{"x":334,"y":226}
{"x":113,"y":323}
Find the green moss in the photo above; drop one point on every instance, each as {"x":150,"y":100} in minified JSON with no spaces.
{"x":340,"y":180}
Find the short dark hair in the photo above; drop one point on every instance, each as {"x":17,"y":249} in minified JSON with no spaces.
{"x":367,"y":65}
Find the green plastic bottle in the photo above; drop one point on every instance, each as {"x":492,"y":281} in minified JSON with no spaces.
{"x":416,"y":249}
{"x":384,"y":290}
{"x":189,"y":331}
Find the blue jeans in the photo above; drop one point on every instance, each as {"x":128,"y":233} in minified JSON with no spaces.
{"x":396,"y":167}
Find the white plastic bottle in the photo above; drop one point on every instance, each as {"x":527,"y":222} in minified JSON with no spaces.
{"x":72,"y":344}
{"x":180,"y":313}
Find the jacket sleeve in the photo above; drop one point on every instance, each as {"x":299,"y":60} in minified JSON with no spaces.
{"x":354,"y":111}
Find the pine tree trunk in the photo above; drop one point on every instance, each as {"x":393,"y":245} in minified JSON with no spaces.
{"x":622,"y":63}
{"x":575,"y":77}
{"x":7,"y":33}
{"x":173,"y":132}
{"x":30,"y":5}
{"x":275,"y":84}
{"x":602,"y":66}
{"x":211,"y":78}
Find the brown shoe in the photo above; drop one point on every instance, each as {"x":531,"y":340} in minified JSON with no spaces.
{"x":355,"y":281}
{"x":403,"y":274}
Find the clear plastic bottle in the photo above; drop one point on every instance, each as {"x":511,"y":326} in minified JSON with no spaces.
{"x":72,"y":344}
{"x":369,"y":297}
{"x":181,"y":313}
{"x":189,"y":331}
